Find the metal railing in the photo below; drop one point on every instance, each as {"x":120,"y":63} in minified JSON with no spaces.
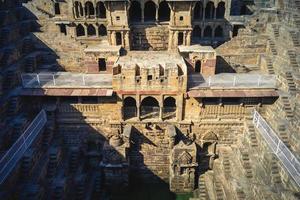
{"x":66,"y":80}
{"x":230,"y":80}
{"x":16,"y":152}
{"x":288,"y":159}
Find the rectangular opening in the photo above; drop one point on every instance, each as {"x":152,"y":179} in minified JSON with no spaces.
{"x":56,"y":9}
{"x":63,"y":29}
{"x":102,"y":64}
{"x":149,"y":77}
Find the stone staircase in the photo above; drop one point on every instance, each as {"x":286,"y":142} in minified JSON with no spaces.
{"x":246,"y":163}
{"x":272,"y":47}
{"x":293,"y":61}
{"x":226,"y":163}
{"x":287,"y":108}
{"x":201,"y":193}
{"x":251,"y":134}
{"x":295,"y":38}
{"x":275,"y":30}
{"x":218,"y":189}
{"x":291,"y":86}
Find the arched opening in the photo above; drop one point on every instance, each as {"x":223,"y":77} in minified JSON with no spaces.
{"x":245,"y":10}
{"x":170,"y":102}
{"x":198,"y":66}
{"x":220,"y":10}
{"x":102,"y":30}
{"x":209,"y":10}
{"x":135,"y":12}
{"x":129,"y":108}
{"x":149,"y":108}
{"x":101,"y":11}
{"x":219,"y":32}
{"x":149,"y":11}
{"x":180,"y":38}
{"x":196,"y":33}
{"x":89,"y":9}
{"x":198,"y":11}
{"x":78,"y":9}
{"x":91,"y":31}
{"x":164,"y":11}
{"x":208,"y":32}
{"x":56,"y":8}
{"x":169,"y":109}
{"x":80,"y":30}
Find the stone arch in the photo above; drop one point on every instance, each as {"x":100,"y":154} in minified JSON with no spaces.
{"x":102,"y":30}
{"x":80,"y":30}
{"x":135,"y":11}
{"x":101,"y":10}
{"x":219,"y":31}
{"x":198,"y":11}
{"x":149,"y":107}
{"x":89,"y":9}
{"x":129,"y":102}
{"x":209,"y":10}
{"x":78,"y":9}
{"x":196,"y":32}
{"x":150,"y":101}
{"x":164,"y":11}
{"x":208,"y":32}
{"x":169,"y":102}
{"x":149,"y":11}
{"x":220,"y":10}
{"x":129,"y":108}
{"x":91,"y":31}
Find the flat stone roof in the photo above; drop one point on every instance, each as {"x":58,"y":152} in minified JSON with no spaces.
{"x":196,"y":48}
{"x":102,"y":48}
{"x":150,"y":59}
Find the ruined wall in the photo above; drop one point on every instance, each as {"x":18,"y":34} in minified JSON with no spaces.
{"x":149,"y":37}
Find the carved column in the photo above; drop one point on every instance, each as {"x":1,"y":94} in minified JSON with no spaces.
{"x":156,"y":14}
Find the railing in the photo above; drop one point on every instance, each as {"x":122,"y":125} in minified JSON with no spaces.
{"x":149,"y":112}
{"x":66,"y":80}
{"x":169,"y":112}
{"x":15,"y":153}
{"x":230,"y":80}
{"x":288,"y":159}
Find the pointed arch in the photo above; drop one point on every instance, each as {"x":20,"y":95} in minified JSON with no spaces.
{"x":209,"y":10}
{"x":91,"y":31}
{"x":198,"y":11}
{"x":78,"y":9}
{"x":197,"y":33}
{"x":149,"y":11}
{"x":101,"y":10}
{"x":89,"y":9}
{"x":220,"y":10}
{"x":208,"y":32}
{"x":219,"y":31}
{"x":135,"y":12}
{"x":102,"y":30}
{"x":164,"y":11}
{"x":80,"y":30}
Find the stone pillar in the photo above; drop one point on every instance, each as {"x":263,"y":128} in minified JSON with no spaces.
{"x":138,"y":105}
{"x":97,"y":30}
{"x":127,"y":40}
{"x":213,"y":33}
{"x":156,"y":14}
{"x":161,"y":105}
{"x":215,"y":13}
{"x":188,"y":39}
{"x":142,"y":14}
{"x":175,"y":39}
{"x":180,"y":108}
{"x":113,"y":37}
{"x":85,"y":31}
{"x":203,"y":12}
{"x":171,"y":36}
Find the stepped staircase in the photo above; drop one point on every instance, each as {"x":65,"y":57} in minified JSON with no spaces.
{"x":295,"y":38}
{"x":293,"y":61}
